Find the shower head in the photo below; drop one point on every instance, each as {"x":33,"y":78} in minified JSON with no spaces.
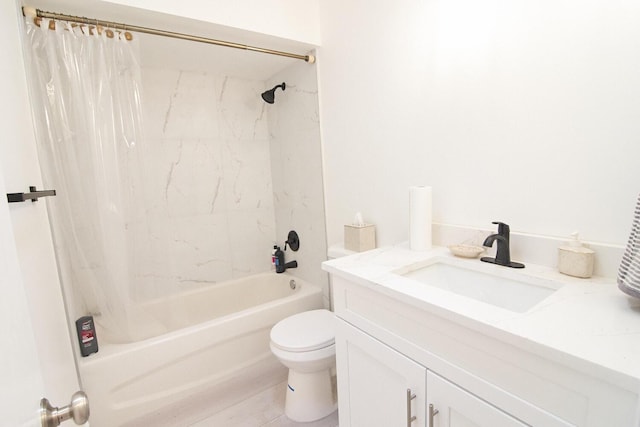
{"x":270,"y":95}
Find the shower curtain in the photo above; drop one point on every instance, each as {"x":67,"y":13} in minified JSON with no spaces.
{"x":85,"y":90}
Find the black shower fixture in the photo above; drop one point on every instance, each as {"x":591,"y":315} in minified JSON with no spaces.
{"x":270,"y":95}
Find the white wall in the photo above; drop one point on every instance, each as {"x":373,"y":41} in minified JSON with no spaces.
{"x":209,"y":198}
{"x":229,"y":175}
{"x":296,"y":167}
{"x":525,"y":112}
{"x":289,"y":19}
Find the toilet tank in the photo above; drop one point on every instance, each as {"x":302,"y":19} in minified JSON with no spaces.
{"x":338,"y":251}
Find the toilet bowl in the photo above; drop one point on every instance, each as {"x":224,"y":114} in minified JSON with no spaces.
{"x":305,"y":344}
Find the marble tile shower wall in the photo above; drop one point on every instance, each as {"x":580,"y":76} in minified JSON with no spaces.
{"x":209,"y":198}
{"x":296,"y":165}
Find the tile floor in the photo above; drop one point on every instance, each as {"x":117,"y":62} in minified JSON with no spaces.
{"x":227,"y":404}
{"x":265,"y":409}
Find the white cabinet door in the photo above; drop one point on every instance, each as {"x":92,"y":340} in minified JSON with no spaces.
{"x":457,"y":407}
{"x":375,"y":383}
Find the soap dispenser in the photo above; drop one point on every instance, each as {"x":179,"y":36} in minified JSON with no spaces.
{"x":574,"y":259}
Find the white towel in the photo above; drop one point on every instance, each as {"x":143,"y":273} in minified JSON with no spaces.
{"x":629,"y":271}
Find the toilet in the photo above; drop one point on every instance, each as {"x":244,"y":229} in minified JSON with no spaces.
{"x":305,"y":343}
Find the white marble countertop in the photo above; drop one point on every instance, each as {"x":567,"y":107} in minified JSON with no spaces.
{"x":587,"y":324}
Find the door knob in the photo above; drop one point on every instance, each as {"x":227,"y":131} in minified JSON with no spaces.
{"x":78,"y":409}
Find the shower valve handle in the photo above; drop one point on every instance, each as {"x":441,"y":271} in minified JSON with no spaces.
{"x":293,"y":241}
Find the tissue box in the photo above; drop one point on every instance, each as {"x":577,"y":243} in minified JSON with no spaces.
{"x":360,"y":238}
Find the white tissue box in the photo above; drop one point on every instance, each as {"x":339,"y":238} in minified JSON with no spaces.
{"x":360,"y":238}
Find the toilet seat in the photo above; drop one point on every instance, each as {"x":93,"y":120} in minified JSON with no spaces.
{"x":304,"y":332}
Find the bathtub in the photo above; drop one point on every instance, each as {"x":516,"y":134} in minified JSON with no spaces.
{"x":216,"y":353}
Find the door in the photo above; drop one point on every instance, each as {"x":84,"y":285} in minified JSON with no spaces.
{"x":457,"y":407}
{"x":21,"y":386}
{"x":377,"y":386}
{"x":37,"y":357}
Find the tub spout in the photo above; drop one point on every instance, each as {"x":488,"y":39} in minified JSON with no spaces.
{"x":291,"y":264}
{"x":282,"y":266}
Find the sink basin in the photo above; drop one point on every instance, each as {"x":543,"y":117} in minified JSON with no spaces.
{"x":515,"y":294}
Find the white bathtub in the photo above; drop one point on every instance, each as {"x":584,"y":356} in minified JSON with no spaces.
{"x":215,"y":354}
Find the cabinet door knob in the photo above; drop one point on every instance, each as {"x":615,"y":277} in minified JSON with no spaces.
{"x":410,"y":397}
{"x":432,"y":413}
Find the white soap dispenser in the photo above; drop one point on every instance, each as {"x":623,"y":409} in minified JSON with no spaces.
{"x":574,"y":259}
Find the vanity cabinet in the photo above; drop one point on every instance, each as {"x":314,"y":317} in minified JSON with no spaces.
{"x":458,"y":408}
{"x":377,"y":386}
{"x":389,"y":350}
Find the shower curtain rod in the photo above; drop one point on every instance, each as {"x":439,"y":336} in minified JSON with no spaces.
{"x":37,"y":13}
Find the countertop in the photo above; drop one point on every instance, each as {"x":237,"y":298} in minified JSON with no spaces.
{"x":587,"y":324}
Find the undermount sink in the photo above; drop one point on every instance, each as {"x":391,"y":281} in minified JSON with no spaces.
{"x":516,"y":294}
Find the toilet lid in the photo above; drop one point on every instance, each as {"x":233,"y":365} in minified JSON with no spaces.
{"x":306,"y":331}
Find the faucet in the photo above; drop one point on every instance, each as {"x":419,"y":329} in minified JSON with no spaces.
{"x":502,"y":253}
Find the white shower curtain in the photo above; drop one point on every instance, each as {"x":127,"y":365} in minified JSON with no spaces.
{"x":85,"y":90}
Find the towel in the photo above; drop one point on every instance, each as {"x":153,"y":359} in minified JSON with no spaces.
{"x":629,"y":271}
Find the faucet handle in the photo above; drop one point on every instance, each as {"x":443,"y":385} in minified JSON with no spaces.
{"x":293,"y":241}
{"x":503,"y":229}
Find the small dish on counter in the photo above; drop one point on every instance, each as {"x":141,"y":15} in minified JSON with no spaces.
{"x":466,"y":251}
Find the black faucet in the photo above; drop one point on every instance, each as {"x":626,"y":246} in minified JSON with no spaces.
{"x":283,"y":268}
{"x":502,"y":253}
